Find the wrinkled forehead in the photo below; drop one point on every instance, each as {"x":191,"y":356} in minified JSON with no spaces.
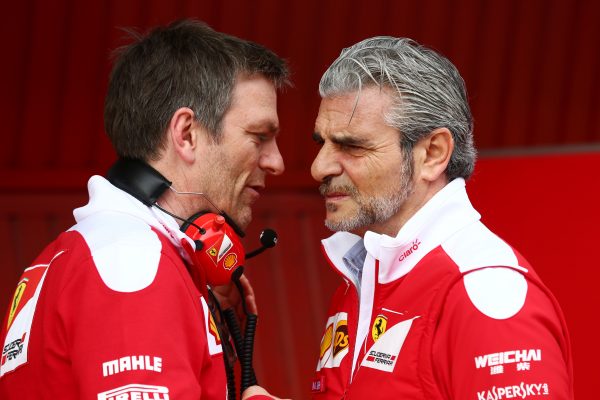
{"x":366,"y":106}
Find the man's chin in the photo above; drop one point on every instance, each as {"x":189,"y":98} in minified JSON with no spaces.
{"x":242,"y":220}
{"x":340,"y":225}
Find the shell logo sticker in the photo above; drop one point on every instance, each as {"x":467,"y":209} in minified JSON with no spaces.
{"x":341,"y":337}
{"x":335,"y":344}
{"x":379,"y":326}
{"x":230,"y":261}
{"x":326,"y":341}
{"x":14,"y":304}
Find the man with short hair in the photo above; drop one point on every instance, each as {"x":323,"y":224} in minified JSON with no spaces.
{"x":433,"y":304}
{"x":117,"y":307}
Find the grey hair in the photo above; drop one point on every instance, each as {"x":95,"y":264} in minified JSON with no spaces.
{"x":428,"y":93}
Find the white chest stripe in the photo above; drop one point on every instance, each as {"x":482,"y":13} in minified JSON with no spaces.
{"x":367,"y":293}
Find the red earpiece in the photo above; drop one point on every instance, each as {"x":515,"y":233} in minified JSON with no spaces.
{"x":219,"y":250}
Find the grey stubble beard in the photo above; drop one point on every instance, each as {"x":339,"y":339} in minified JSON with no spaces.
{"x":371,"y":210}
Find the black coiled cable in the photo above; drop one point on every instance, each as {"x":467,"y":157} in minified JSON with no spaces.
{"x":248,"y":375}
{"x":234,"y":331}
{"x":244,"y":344}
{"x":230,"y":382}
{"x":228,"y":357}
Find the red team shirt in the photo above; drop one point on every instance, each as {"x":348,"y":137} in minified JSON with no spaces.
{"x":108,"y":311}
{"x":445,"y":310}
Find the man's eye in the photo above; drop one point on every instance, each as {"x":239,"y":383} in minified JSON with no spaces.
{"x":318,"y":139}
{"x":349,"y":147}
{"x":261,"y":137}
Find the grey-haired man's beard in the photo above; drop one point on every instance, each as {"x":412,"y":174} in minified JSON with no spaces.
{"x":371,"y":210}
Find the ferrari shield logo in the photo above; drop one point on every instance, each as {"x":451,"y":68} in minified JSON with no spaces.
{"x":14,"y":305}
{"x":379,"y":326}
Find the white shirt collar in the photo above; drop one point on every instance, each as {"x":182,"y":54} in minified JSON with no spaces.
{"x":106,"y":197}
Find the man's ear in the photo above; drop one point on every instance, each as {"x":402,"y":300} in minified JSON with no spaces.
{"x":434,"y":153}
{"x":183,"y":134}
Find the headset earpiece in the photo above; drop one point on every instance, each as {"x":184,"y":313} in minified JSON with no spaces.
{"x":219,"y":250}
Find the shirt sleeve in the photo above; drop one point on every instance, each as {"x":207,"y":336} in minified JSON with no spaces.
{"x":500,"y":336}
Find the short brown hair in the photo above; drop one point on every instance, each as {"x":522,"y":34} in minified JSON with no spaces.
{"x":185,"y":64}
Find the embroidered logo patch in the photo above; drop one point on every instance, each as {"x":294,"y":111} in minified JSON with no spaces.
{"x":341,"y":337}
{"x":326,"y":341}
{"x":522,"y":360}
{"x":379,"y":326}
{"x":519,"y":391}
{"x":136,"y":391}
{"x":20,"y":317}
{"x":383,"y":354}
{"x":212,"y":327}
{"x":212,"y":334}
{"x":16,"y":300}
{"x":335,"y":342}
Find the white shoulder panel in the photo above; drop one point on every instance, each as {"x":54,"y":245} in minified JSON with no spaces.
{"x":476,"y":247}
{"x":498,"y":293}
{"x":495,"y":291}
{"x":125,"y":250}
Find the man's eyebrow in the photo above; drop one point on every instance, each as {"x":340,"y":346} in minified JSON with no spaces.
{"x":263,"y":126}
{"x":341,"y":139}
{"x":348,"y":140}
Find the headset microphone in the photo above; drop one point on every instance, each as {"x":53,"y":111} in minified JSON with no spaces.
{"x":268,"y":239}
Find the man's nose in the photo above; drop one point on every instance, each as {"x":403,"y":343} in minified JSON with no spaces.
{"x":271,"y":160}
{"x":325,"y":164}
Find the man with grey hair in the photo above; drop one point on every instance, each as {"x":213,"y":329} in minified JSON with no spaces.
{"x":433,"y":304}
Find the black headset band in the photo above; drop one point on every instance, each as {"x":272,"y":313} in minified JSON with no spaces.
{"x":138,"y":179}
{"x":147,"y":184}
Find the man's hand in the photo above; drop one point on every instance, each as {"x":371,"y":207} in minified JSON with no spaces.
{"x":229,"y":297}
{"x":258,"y":391}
